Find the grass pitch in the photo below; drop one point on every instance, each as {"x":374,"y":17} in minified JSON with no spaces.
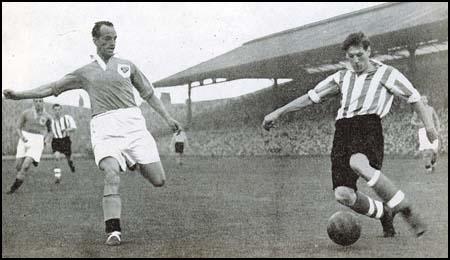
{"x":214,"y":207}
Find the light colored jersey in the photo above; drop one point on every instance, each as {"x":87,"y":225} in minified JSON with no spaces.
{"x":369,"y":93}
{"x":32,"y":122}
{"x":179,"y":138}
{"x":110,"y":86}
{"x":58,"y":125}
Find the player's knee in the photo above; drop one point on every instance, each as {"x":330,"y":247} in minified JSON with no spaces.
{"x":159,"y":182}
{"x":358,"y":162}
{"x":345,"y":196}
{"x":25,"y":166}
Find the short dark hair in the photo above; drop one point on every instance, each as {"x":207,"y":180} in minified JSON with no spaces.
{"x":356,"y":39}
{"x":56,"y":105}
{"x":97,"y":26}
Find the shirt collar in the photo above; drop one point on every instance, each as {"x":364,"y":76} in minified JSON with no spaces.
{"x":375,"y":62}
{"x":99,"y":60}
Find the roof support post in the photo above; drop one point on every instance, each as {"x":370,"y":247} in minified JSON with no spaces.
{"x":189,"y":110}
{"x":412,"y":60}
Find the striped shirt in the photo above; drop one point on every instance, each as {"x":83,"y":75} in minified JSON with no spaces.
{"x":58,"y":125}
{"x":369,"y":93}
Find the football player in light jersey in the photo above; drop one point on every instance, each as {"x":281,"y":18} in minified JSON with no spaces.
{"x":34,"y":132}
{"x":428,"y":149}
{"x":367,"y":88}
{"x":62,"y":127}
{"x":118,"y":128}
{"x":179,"y":142}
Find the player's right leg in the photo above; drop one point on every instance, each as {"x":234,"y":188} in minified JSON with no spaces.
{"x":364,"y":205}
{"x":57,"y":169}
{"x":22,"y":165}
{"x":112,"y":204}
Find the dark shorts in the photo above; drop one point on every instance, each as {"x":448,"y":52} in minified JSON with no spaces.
{"x":359,"y":134}
{"x":179,"y":147}
{"x":62,"y":145}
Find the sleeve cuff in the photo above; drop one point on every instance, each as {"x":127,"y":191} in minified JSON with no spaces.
{"x":415,"y":97}
{"x":313,"y":96}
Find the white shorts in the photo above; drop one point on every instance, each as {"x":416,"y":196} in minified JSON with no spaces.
{"x":32,"y":148}
{"x":424,"y":143}
{"x":123,"y":135}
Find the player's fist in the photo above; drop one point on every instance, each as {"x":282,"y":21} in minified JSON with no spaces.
{"x":174,"y":125}
{"x":269,"y":120}
{"x":10,"y":94}
{"x":432,"y":134}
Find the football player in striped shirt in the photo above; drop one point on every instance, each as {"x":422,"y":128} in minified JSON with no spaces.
{"x":366,"y":88}
{"x":118,"y":129}
{"x":34,"y":132}
{"x":62,"y":127}
{"x":428,"y":149}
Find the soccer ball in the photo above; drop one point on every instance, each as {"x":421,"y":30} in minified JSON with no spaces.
{"x":343,"y":228}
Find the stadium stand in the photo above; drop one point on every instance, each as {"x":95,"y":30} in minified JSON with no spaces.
{"x":231,"y":127}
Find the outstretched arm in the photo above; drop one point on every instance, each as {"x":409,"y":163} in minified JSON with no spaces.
{"x":313,"y":96}
{"x":158,"y":106}
{"x":54,"y":88}
{"x":437,"y":122}
{"x":427,"y":120}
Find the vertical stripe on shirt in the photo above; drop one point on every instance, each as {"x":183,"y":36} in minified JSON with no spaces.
{"x":372,"y":90}
{"x":357,"y":94}
{"x":349,"y":89}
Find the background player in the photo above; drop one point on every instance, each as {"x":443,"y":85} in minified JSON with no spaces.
{"x":179,"y":142}
{"x":366,"y":88}
{"x":62,"y":127}
{"x":429,"y":150}
{"x":34,"y":131}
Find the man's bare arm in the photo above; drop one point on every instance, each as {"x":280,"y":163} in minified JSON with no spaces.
{"x":54,"y":88}
{"x":427,"y":120}
{"x":158,"y":106}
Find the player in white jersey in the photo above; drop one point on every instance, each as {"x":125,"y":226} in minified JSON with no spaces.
{"x":367,"y":88}
{"x":428,"y":149}
{"x":118,"y":128}
{"x":34,"y":132}
{"x":179,"y":142}
{"x":62,"y":127}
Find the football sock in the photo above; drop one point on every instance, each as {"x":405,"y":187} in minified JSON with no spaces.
{"x":57,"y":172}
{"x":387,"y":191}
{"x":16,"y":185}
{"x":112,"y":225}
{"x":367,"y":206}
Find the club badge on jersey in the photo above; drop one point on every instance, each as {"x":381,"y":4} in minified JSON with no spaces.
{"x":42,"y":120}
{"x":124,"y":70}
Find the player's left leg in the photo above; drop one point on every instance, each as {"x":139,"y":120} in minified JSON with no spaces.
{"x":70,"y":162}
{"x":23,"y":164}
{"x":428,"y":159}
{"x":387,"y":191}
{"x":68,"y":154}
{"x":154,"y":173}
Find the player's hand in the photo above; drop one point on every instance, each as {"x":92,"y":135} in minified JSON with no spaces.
{"x":432,"y":134}
{"x":10,"y":94}
{"x":269,"y":120}
{"x":174,"y":125}
{"x":24,"y":139}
